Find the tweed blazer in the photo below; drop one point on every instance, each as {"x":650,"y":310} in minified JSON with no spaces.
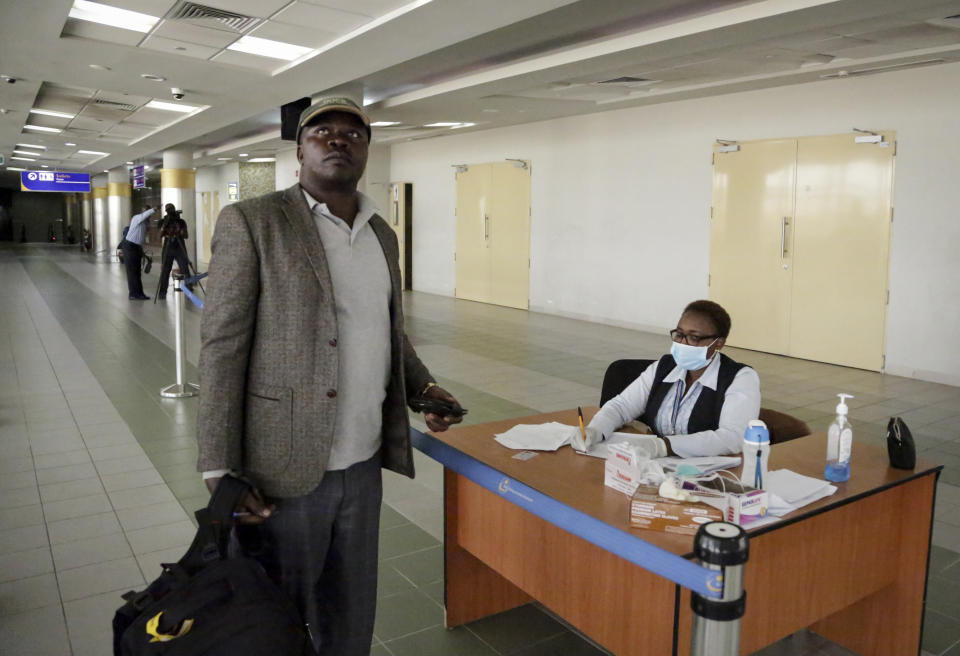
{"x":268,"y":355}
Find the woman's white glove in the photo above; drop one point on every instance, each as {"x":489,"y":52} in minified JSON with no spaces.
{"x":592,"y":437}
{"x":653,"y":446}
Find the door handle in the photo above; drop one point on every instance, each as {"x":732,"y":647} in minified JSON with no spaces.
{"x":486,"y":228}
{"x":784,"y":222}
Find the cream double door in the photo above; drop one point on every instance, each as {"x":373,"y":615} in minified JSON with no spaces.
{"x":493,"y":233}
{"x":799,"y":251}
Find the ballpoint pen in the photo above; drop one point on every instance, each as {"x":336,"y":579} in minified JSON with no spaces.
{"x":583,"y":433}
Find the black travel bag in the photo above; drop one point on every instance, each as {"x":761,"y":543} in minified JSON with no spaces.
{"x":209,"y":603}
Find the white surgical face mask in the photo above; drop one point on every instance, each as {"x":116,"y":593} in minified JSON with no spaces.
{"x":691,"y":358}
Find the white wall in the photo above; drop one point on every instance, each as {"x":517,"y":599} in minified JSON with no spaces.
{"x":287,"y":168}
{"x":620,"y":202}
{"x":376,"y":179}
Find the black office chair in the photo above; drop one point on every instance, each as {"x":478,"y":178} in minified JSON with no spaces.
{"x":619,"y":374}
{"x":783,"y":427}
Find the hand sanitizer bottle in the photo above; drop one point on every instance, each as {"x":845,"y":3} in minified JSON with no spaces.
{"x":839,"y":443}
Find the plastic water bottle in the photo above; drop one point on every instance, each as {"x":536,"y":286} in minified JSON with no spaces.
{"x":756,"y":453}
{"x":839,"y":444}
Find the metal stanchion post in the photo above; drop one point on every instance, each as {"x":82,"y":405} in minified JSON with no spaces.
{"x":716,"y":623}
{"x":179,"y":389}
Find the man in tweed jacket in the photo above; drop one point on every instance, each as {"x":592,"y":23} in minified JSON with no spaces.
{"x":306,"y":371}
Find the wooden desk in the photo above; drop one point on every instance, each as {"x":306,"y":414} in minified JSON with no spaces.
{"x":852,"y":566}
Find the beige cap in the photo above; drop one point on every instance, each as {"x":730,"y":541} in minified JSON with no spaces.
{"x":331,"y":104}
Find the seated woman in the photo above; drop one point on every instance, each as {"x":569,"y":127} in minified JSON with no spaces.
{"x":696,"y":399}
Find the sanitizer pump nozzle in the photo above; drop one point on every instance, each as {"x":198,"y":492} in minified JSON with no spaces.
{"x":839,"y":443}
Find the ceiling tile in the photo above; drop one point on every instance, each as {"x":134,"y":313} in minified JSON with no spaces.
{"x":97,"y":32}
{"x":128,"y":130}
{"x":125,"y":98}
{"x":203,"y":36}
{"x":298,"y":36}
{"x":90,"y":123}
{"x":266,"y":64}
{"x":261,"y":8}
{"x":369,"y":7}
{"x":321,"y":18}
{"x":63,"y":91}
{"x":179,"y":47}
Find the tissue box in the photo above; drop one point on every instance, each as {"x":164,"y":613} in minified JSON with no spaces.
{"x":651,"y":511}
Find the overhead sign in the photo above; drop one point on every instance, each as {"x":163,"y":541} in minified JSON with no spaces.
{"x":139,"y":178}
{"x":54,"y":181}
{"x":233,"y":191}
{"x":1,"y":160}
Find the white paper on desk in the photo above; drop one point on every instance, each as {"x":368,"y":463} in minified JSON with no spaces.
{"x":796,"y":489}
{"x":600,"y":449}
{"x":537,"y":437}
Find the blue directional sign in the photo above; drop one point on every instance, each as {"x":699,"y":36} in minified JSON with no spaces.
{"x":139,"y":177}
{"x":54,"y":181}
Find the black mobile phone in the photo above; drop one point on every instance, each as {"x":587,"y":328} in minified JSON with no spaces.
{"x":437,"y":407}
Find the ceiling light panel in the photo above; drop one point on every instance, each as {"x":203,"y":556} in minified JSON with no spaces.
{"x":91,"y":152}
{"x":24,"y":159}
{"x":125,"y":19}
{"x":104,"y":33}
{"x":260,"y":160}
{"x":171,"y":107}
{"x":23,"y":145}
{"x":41,"y":128}
{"x":268,"y":48}
{"x":50,"y":112}
{"x":323,"y":18}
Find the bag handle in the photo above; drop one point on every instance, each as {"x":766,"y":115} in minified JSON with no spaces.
{"x":214,"y":524}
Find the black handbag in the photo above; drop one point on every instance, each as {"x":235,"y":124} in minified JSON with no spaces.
{"x":147,"y":263}
{"x":209,"y":603}
{"x":900,"y":445}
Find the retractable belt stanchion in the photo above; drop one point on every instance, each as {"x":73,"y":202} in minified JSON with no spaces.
{"x":179,"y":389}
{"x":716,"y":623}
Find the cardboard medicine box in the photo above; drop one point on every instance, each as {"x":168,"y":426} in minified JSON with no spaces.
{"x":651,"y":511}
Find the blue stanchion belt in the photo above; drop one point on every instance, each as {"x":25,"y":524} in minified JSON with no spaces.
{"x":189,"y":294}
{"x":620,"y":543}
{"x":196,"y":278}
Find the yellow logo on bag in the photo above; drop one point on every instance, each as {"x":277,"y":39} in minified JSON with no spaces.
{"x":153,"y":625}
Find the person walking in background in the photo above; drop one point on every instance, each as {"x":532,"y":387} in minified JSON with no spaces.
{"x":173,"y":231}
{"x":306,"y":372}
{"x":132,"y":247}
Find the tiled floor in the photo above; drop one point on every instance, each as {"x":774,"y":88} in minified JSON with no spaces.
{"x":97,"y":470}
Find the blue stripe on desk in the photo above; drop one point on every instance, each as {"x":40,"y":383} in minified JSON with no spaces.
{"x":620,"y":543}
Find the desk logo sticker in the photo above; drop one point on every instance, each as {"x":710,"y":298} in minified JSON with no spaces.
{"x":715,"y":583}
{"x":505,"y":488}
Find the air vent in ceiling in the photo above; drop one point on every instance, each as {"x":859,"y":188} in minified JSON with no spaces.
{"x":111,"y":104}
{"x":626,"y":79}
{"x":212,"y":17}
